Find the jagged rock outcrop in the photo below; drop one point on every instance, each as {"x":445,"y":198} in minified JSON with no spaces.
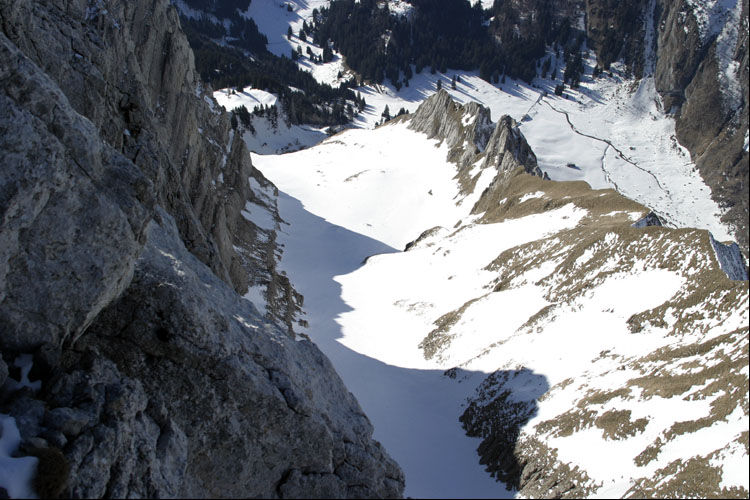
{"x":473,"y":139}
{"x":74,"y":210}
{"x":124,"y":244}
{"x":179,"y":388}
{"x":465,"y":129}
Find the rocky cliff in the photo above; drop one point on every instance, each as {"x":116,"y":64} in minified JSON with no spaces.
{"x":127,"y":232}
{"x":128,"y":69}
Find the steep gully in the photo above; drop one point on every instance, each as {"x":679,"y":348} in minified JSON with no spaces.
{"x":414,"y":411}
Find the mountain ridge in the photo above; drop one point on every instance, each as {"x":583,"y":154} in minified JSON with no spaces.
{"x":577,"y":321}
{"x":519,"y":452}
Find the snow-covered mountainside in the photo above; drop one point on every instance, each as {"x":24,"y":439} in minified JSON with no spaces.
{"x":665,"y":124}
{"x":590,"y":354}
{"x":612,"y":131}
{"x":609,"y":133}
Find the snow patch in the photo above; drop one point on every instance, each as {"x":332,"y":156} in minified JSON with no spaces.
{"x":24,"y":362}
{"x":531,"y":196}
{"x":260,"y":216}
{"x":711,"y":16}
{"x":232,"y":98}
{"x":270,"y":139}
{"x":16,"y":473}
{"x":401,"y":8}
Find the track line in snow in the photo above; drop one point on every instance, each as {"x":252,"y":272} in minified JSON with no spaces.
{"x":609,"y":144}
{"x":528,"y":111}
{"x":604,"y":169}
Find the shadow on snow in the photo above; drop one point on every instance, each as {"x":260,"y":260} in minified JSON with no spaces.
{"x":415,"y":412}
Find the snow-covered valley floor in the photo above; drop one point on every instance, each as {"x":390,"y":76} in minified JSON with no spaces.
{"x":342,"y":208}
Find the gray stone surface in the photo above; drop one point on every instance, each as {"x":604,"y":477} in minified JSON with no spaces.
{"x":73,"y":212}
{"x":122,"y":250}
{"x":128,"y":68}
{"x":221,"y":402}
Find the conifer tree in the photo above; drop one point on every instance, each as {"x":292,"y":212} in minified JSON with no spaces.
{"x":386,"y":114}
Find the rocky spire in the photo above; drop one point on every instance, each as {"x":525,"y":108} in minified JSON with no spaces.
{"x":472,"y":138}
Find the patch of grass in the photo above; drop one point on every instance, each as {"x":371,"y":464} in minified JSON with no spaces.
{"x":566,"y":424}
{"x":693,"y":478}
{"x":650,"y":454}
{"x":600,"y":397}
{"x":439,"y":339}
{"x":667,"y":385}
{"x":616,"y":424}
{"x":720,"y":376}
{"x":560,"y":386}
{"x":543,"y":313}
{"x":545,"y":476}
{"x":556,"y":195}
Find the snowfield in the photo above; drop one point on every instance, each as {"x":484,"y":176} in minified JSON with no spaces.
{"x":16,"y":473}
{"x":274,"y":18}
{"x":359,"y":195}
{"x":612,"y":130}
{"x":248,"y":97}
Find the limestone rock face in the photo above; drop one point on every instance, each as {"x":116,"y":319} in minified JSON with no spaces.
{"x":465,"y":129}
{"x":73,"y":212}
{"x":125,"y":236}
{"x":679,"y":53}
{"x":128,"y":68}
{"x":224,"y":403}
